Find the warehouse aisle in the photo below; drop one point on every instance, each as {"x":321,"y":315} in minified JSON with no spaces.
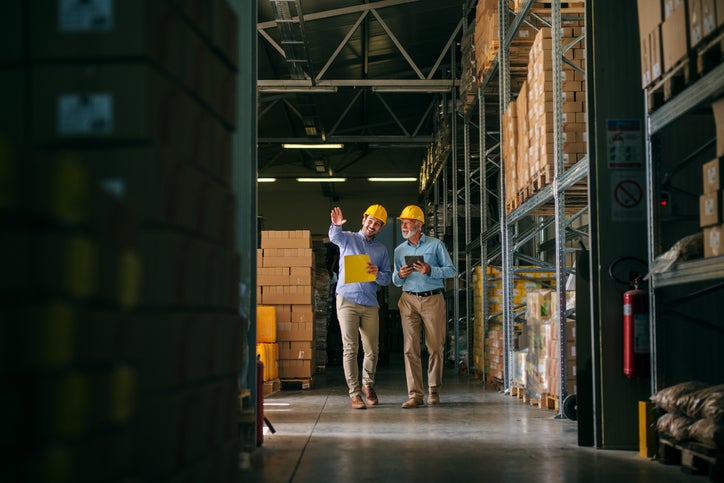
{"x":475,"y":434}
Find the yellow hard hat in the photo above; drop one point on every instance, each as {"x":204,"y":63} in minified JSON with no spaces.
{"x":378,"y":211}
{"x":412,"y":212}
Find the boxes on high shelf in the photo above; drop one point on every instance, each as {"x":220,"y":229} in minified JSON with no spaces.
{"x":710,"y":208}
{"x":713,"y":241}
{"x":713,"y":175}
{"x":675,"y":34}
{"x":108,"y":30}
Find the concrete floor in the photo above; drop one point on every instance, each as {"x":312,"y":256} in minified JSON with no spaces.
{"x":475,"y":434}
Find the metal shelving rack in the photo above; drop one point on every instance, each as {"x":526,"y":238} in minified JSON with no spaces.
{"x":498,"y":239}
{"x":708,"y":271}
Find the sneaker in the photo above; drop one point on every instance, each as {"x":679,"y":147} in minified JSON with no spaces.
{"x":433,"y":398}
{"x":358,"y":403}
{"x":370,"y":395}
{"x":412,"y":403}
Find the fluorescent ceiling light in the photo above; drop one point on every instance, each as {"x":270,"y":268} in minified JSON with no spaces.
{"x":302,"y":89}
{"x":321,"y":180}
{"x":265,"y":180}
{"x":391,"y":179}
{"x":432,"y":88}
{"x":312,"y":146}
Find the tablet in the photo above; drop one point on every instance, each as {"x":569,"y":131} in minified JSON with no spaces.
{"x":411,"y":259}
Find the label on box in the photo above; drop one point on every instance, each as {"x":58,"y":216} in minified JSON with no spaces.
{"x":85,"y":113}
{"x":85,"y":16}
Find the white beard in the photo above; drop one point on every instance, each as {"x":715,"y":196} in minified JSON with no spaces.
{"x":410,"y":233}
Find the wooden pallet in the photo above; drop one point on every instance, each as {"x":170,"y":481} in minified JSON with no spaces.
{"x":710,"y":53}
{"x":672,"y":83}
{"x":297,"y":383}
{"x":694,"y":458}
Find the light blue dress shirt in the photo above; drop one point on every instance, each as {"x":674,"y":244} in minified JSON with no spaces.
{"x":434,"y":253}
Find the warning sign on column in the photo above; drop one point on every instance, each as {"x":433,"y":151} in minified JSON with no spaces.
{"x":628,"y":193}
{"x":624,"y":143}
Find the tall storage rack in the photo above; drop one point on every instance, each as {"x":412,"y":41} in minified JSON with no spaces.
{"x":500,"y":239}
{"x":685,"y":301}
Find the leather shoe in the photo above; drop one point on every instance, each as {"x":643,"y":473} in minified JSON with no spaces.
{"x":370,"y":395}
{"x":433,"y":398}
{"x":412,"y":403}
{"x":358,"y":403}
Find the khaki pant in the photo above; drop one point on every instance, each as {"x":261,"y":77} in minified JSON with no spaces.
{"x":426,"y":313}
{"x":357,"y":320}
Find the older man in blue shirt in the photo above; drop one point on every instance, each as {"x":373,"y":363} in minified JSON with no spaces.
{"x":421,"y":264}
{"x":357,"y":307}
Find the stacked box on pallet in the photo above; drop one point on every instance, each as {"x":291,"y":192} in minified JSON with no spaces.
{"x":540,"y":159}
{"x":544,"y":356}
{"x":527,"y":280}
{"x":117,"y":103}
{"x":510,"y":154}
{"x":468,"y":88}
{"x":289,"y":288}
{"x":478,"y":323}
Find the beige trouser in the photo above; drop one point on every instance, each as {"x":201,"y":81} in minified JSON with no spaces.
{"x":417,"y":313}
{"x":357,"y":320}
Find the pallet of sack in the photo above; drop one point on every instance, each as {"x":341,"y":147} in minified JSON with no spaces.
{"x":285,"y":277}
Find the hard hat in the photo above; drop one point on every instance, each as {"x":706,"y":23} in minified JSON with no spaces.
{"x":378,"y":211}
{"x":412,"y":212}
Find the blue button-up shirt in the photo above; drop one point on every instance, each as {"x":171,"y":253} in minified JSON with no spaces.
{"x":355,"y":243}
{"x":434,"y":253}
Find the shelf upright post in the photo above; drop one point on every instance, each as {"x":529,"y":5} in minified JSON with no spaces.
{"x":506,"y":247}
{"x":559,"y":199}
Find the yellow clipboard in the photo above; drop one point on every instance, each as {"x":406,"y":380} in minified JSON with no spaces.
{"x":355,"y":269}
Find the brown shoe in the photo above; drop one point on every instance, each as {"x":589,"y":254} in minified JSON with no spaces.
{"x":358,"y":403}
{"x":370,"y":395}
{"x":412,"y":403}
{"x":433,"y":398}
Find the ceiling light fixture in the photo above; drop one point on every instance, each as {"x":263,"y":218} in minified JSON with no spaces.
{"x":312,"y":146}
{"x":265,"y":180}
{"x":413,"y":89}
{"x":321,"y":180}
{"x":300,"y":89}
{"x":392,"y":179}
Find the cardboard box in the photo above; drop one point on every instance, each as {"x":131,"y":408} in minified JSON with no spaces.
{"x":291,"y":368}
{"x":300,"y":276}
{"x":302,"y":313}
{"x":286,"y":239}
{"x":708,"y":16}
{"x":710,"y":210}
{"x":712,"y":175}
{"x":108,"y":30}
{"x":268,"y":276}
{"x":675,"y":37}
{"x":719,"y":13}
{"x":287,"y":257}
{"x":713,"y":241}
{"x":645,"y":49}
{"x":718,"y":110}
{"x":696,"y":23}
{"x":287,"y":331}
{"x":286,"y":294}
{"x":295,"y":349}
{"x":109,"y":102}
{"x":657,"y":54}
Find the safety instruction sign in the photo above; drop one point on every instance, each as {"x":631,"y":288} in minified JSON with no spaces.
{"x":628,"y":194}
{"x":624,"y":143}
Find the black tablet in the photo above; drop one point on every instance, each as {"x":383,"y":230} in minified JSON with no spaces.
{"x":411,"y":259}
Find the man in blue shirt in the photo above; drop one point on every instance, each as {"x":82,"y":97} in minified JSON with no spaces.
{"x":422,"y":304}
{"x":357,"y":307}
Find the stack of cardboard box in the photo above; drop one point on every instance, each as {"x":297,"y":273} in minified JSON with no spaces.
{"x":285,"y":264}
{"x":711,"y":203}
{"x":120,"y":116}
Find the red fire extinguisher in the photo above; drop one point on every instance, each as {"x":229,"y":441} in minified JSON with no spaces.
{"x":636,"y":333}
{"x":259,"y":401}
